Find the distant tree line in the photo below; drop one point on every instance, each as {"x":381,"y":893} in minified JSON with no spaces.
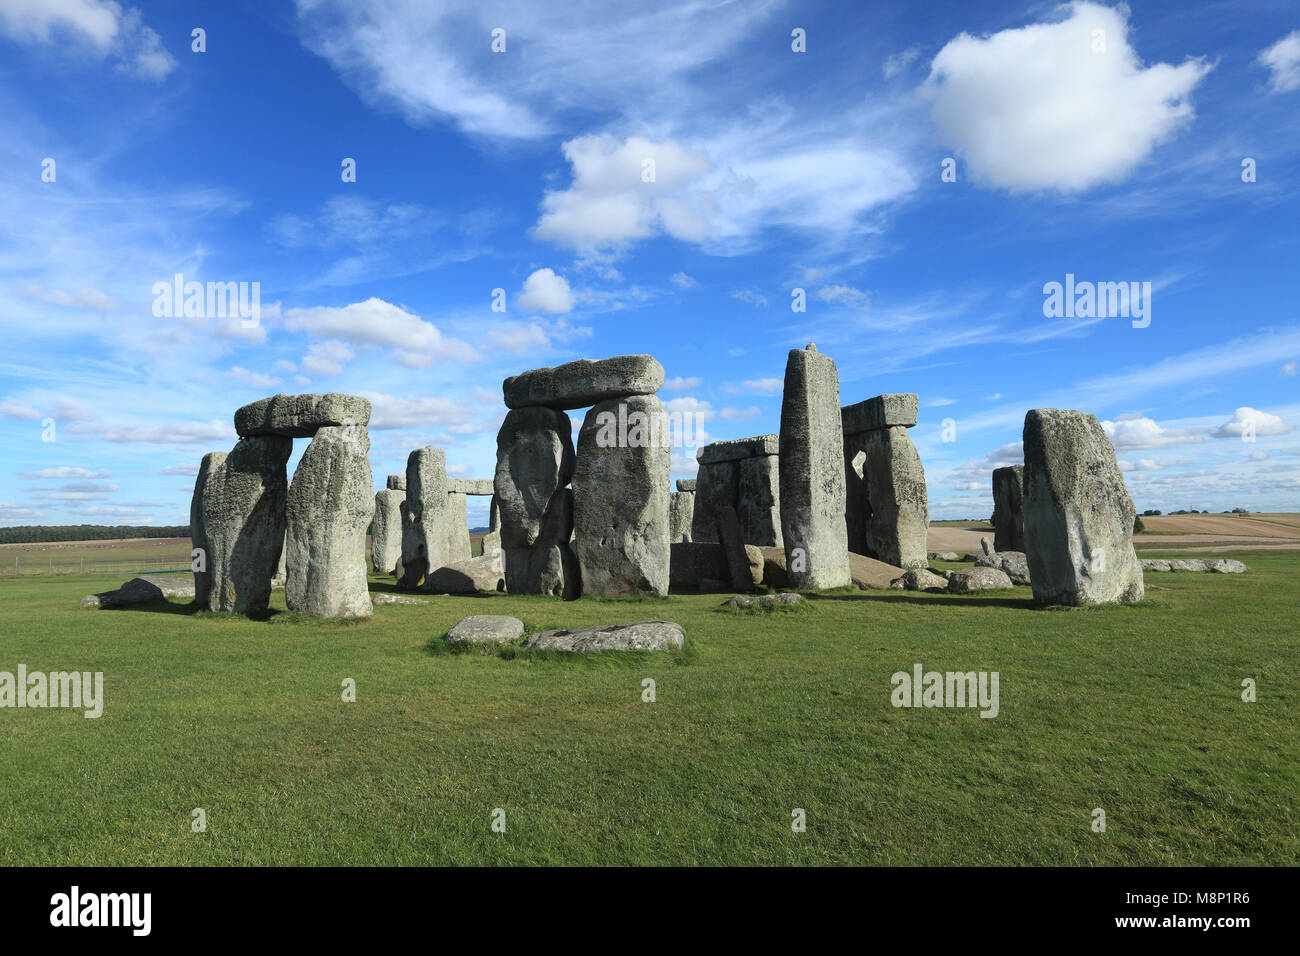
{"x":39,"y":533}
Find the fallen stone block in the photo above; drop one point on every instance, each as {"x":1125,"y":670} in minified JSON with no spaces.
{"x":141,"y":590}
{"x":636,"y":636}
{"x":485,"y":629}
{"x":977,"y":579}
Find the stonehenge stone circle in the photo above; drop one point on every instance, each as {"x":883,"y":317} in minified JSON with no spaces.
{"x":681,"y":512}
{"x":883,"y":411}
{"x":1078,"y":514}
{"x":455,"y":529}
{"x":620,"y":498}
{"x":1009,"y":508}
{"x":484,"y":573}
{"x":299,"y":416}
{"x":686,"y":484}
{"x":485,"y":628}
{"x":244,"y":523}
{"x":637,"y":636}
{"x":584,"y":382}
{"x":733,"y":549}
{"x":328,"y":511}
{"x":386,"y":533}
{"x":812,"y":473}
{"x":470,"y":486}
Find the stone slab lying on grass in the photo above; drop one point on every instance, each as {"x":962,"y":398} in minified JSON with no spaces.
{"x":978,"y":579}
{"x":634,"y":636}
{"x":943,"y":556}
{"x":142,"y":590}
{"x":922,"y":579}
{"x":762,"y":600}
{"x":483,"y":573}
{"x":485,"y":628}
{"x":1214,"y":565}
{"x":1013,"y":564}
{"x":383,"y":597}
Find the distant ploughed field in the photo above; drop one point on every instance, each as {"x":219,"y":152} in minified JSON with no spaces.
{"x":1163,"y":533}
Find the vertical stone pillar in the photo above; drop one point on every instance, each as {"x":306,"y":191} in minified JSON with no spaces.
{"x":424,"y":540}
{"x":1009,"y":508}
{"x":386,"y":534}
{"x":812,"y":473}
{"x":199,"y":542}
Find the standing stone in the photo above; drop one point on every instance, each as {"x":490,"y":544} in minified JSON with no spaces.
{"x":681,"y":512}
{"x":857,"y":508}
{"x":717,"y":485}
{"x":1009,"y":508}
{"x":282,"y":571}
{"x":457,"y":546}
{"x":620,"y":492}
{"x":328,"y":512}
{"x":535,"y":463}
{"x":492,"y":540}
{"x":424,"y":534}
{"x":758,"y":500}
{"x":397,"y":482}
{"x":1078,"y":514}
{"x":244,"y":523}
{"x":899,"y":516}
{"x":733,"y":549}
{"x":386,"y":535}
{"x":211,"y":464}
{"x":812,"y":473}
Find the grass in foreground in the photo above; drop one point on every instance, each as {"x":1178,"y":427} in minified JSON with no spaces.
{"x":1135,"y":710}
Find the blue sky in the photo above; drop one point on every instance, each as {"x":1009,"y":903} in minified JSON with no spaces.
{"x":1104,"y":142}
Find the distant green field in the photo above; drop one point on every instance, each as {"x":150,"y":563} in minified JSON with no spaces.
{"x":1135,"y":710}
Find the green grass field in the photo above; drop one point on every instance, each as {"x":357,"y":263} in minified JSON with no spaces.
{"x":1136,"y":710}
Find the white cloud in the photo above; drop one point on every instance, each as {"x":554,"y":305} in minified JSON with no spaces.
{"x":1246,"y":418}
{"x":844,"y":294}
{"x":897,"y":62}
{"x":374,"y":322}
{"x":84,"y":298}
{"x":750,"y":297}
{"x":680,"y":384}
{"x":682,"y":280}
{"x":517,"y":338}
{"x":327,"y":358}
{"x":102,"y":24}
{"x":940,"y":402}
{"x":65,"y":472}
{"x":1141,"y":432}
{"x":387,"y":411}
{"x":1283,"y":62}
{"x":13,"y":408}
{"x":188,"y":471}
{"x":1288,"y":368}
{"x":182,"y":433}
{"x":254,"y":379}
{"x":1036,"y":108}
{"x":699,"y":412}
{"x":546,"y":292}
{"x":758,"y":386}
{"x":739,"y":414}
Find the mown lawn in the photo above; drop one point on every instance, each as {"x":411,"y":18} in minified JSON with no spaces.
{"x":1135,"y":710}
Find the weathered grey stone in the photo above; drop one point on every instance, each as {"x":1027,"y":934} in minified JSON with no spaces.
{"x":1009,"y":508}
{"x":141,"y":590}
{"x":1215,"y":565}
{"x":681,"y":511}
{"x":636,"y":636}
{"x":758,"y":501}
{"x":898,"y":515}
{"x":1078,"y":514}
{"x":986,"y":545}
{"x":484,"y":573}
{"x":535,"y":462}
{"x":977,"y":579}
{"x":492,"y":539}
{"x":328,"y":511}
{"x":1013,"y":564}
{"x":383,"y":597}
{"x":812,"y":473}
{"x":424,"y":521}
{"x":1224,"y":566}
{"x":471,"y":486}
{"x":943,"y":556}
{"x":397,"y":482}
{"x":857,"y":509}
{"x":486,"y":628}
{"x":299,"y":416}
{"x":244,"y":523}
{"x":1154,"y":564}
{"x":208,"y":468}
{"x":883,"y":411}
{"x":282,"y":570}
{"x":686,"y":484}
{"x":694,"y":562}
{"x":739,"y":449}
{"x":717,"y":485}
{"x":620,"y":493}
{"x":733,"y":549}
{"x":386,"y":531}
{"x":922,"y":579}
{"x":763,"y":600}
{"x":584,"y":382}
{"x":455,"y":526}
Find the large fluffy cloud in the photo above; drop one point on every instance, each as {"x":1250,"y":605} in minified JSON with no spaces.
{"x":1248,"y":421}
{"x":546,"y":292}
{"x":374,"y":322}
{"x":1283,"y":62}
{"x":1061,"y":106}
{"x":104,"y":26}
